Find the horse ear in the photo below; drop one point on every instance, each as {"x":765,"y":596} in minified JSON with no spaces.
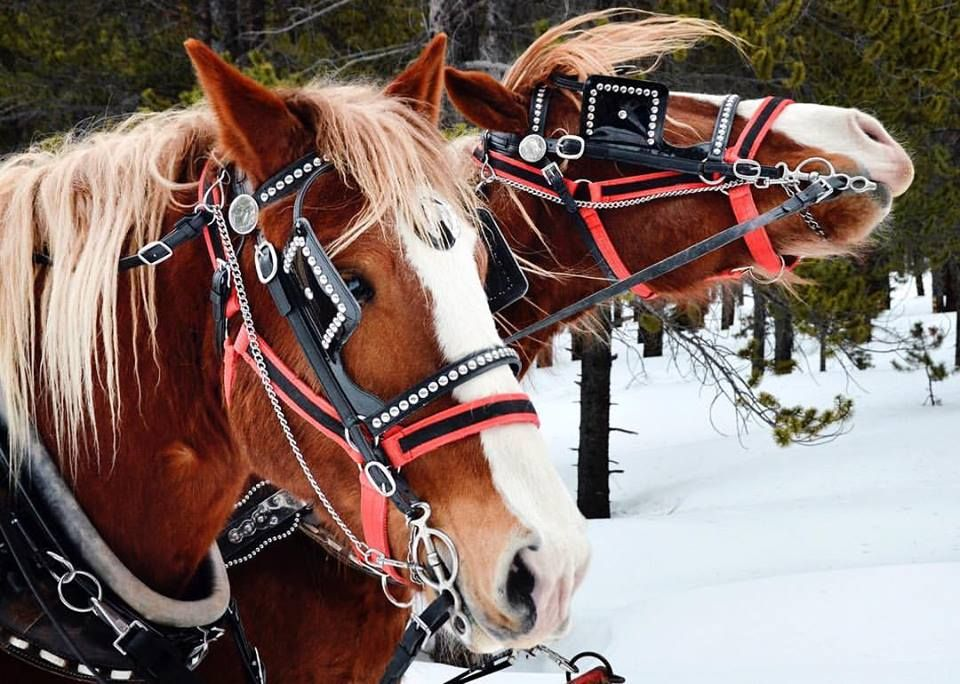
{"x":256,"y":129}
{"x":483,"y":101}
{"x":421,"y":83}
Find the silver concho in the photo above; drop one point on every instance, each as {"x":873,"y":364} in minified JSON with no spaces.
{"x":532,"y":148}
{"x":243,"y":214}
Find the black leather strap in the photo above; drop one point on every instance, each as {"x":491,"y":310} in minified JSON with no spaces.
{"x":417,"y":632}
{"x":185,"y":230}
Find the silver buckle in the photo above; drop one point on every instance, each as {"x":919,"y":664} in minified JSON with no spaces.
{"x":389,"y":487}
{"x":567,"y":155}
{"x":752,"y":172}
{"x":145,"y":257}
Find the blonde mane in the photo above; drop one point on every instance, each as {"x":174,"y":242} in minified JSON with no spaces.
{"x":603,"y":43}
{"x":90,"y":199}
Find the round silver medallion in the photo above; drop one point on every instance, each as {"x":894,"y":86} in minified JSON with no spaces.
{"x":243,"y":214}
{"x":532,"y":148}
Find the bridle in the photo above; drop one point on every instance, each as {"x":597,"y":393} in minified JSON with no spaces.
{"x":323,"y":312}
{"x":622,"y":121}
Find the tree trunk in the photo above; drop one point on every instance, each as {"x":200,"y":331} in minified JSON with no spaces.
{"x":617,"y":313}
{"x":759,"y":343}
{"x":782,"y":339}
{"x":950,"y":286}
{"x":956,"y":341}
{"x":878,"y":278}
{"x":823,"y":352}
{"x":937,"y":294}
{"x":593,"y":466}
{"x":919,"y":280}
{"x":738,"y":290}
{"x":727,"y":307}
{"x":652,"y":341}
{"x":225,"y":29}
{"x":578,"y":341}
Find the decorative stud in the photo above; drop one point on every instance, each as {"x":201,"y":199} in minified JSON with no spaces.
{"x":244,"y":212}
{"x":622,"y":114}
{"x":532,"y":148}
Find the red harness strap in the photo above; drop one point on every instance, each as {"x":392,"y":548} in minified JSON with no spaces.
{"x":741,"y":197}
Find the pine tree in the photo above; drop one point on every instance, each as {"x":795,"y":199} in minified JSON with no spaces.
{"x":917,"y":356}
{"x":837,"y":308}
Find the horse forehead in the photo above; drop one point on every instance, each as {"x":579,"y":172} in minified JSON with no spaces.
{"x":809,"y":125}
{"x":462,"y":320}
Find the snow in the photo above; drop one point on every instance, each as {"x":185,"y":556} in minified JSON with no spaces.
{"x":732,"y":560}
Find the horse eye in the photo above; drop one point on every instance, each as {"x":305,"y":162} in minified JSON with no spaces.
{"x":361,"y":290}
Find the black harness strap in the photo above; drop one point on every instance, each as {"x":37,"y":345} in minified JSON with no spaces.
{"x":419,"y":629}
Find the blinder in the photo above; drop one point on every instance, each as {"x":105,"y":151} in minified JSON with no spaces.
{"x":506,"y":282}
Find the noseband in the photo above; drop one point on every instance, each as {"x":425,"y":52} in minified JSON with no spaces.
{"x":622,"y":121}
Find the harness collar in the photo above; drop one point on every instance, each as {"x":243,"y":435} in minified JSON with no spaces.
{"x":68,"y":605}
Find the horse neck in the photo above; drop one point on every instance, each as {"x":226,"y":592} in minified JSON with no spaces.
{"x":174,"y":476}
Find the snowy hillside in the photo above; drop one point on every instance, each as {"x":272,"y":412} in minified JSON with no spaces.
{"x":734,"y":561}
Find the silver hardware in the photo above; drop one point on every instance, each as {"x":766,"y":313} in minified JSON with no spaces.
{"x":561,"y":662}
{"x":747,"y":169}
{"x":622,"y":114}
{"x":532,"y":148}
{"x":243,"y":214}
{"x":68,"y":577}
{"x":265,"y":247}
{"x":572,"y":138}
{"x":388,"y":488}
{"x":144,"y":253}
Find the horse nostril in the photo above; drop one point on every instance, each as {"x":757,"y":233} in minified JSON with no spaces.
{"x":520,"y":584}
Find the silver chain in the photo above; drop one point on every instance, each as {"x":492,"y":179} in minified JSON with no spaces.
{"x":616,"y":204}
{"x":262,"y":370}
{"x":807,"y":217}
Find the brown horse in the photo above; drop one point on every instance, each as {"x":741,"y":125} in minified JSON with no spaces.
{"x":121,"y":372}
{"x":320,"y":621}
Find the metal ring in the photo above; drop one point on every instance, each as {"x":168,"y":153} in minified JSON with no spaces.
{"x":70,"y":577}
{"x":385,"y":586}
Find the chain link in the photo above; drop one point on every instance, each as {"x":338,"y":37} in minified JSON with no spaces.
{"x":807,"y":217}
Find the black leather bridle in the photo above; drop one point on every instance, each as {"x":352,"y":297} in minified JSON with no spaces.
{"x":622,"y":120}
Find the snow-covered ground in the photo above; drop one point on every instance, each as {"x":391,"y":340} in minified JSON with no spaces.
{"x":730,"y":560}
